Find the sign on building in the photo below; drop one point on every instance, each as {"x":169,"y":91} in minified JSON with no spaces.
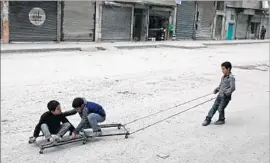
{"x":178,"y":2}
{"x":37,"y":16}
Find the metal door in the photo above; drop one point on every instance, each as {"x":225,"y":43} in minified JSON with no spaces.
{"x":33,"y":20}
{"x":78,"y":20}
{"x":185,"y":20}
{"x":230,"y":31}
{"x":116,"y":23}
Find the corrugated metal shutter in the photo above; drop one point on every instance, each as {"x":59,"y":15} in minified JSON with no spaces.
{"x":241,"y":26}
{"x":116,"y":23}
{"x":185,"y":20}
{"x":256,"y":19}
{"x":78,"y":20}
{"x":205,"y":20}
{"x":41,"y":28}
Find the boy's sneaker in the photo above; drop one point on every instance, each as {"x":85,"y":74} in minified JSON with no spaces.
{"x":32,"y":140}
{"x":220,"y":122}
{"x":206,"y":122}
{"x":97,"y":133}
{"x":57,"y":138}
{"x":50,"y":140}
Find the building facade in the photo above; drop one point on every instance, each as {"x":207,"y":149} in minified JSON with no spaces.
{"x":132,"y":20}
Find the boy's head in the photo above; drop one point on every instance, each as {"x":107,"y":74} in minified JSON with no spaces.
{"x":54,"y":107}
{"x":78,"y":104}
{"x":226,"y":68}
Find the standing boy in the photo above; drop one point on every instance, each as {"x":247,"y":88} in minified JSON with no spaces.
{"x":49,"y":123}
{"x":90,"y":113}
{"x":224,"y":90}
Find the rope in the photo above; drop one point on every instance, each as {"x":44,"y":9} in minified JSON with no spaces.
{"x":171,"y":116}
{"x":167,"y":109}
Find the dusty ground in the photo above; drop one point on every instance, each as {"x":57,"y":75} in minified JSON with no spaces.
{"x":131,"y":84}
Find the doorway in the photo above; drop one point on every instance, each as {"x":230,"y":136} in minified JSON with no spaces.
{"x":139,"y":25}
{"x":230,"y":31}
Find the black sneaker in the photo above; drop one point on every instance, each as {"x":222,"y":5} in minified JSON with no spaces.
{"x":206,"y":122}
{"x":220,"y":122}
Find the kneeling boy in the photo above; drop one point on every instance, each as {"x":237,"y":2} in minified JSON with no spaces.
{"x":49,"y":123}
{"x":90,"y":113}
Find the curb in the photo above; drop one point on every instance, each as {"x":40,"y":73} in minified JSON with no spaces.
{"x":235,"y":43}
{"x":39,"y":50}
{"x":203,"y":45}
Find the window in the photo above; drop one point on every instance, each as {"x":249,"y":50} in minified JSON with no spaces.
{"x":220,"y":5}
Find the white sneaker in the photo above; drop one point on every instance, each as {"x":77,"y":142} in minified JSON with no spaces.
{"x":97,"y":133}
{"x":57,"y":138}
{"x":32,"y":140}
{"x":50,"y":140}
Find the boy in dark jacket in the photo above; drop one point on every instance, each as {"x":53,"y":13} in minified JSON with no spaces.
{"x":90,"y":113}
{"x":224,"y":90}
{"x":49,"y":123}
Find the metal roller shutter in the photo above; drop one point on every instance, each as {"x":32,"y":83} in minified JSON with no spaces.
{"x":78,"y":20}
{"x":241,"y":26}
{"x":206,"y":16}
{"x":116,"y":23}
{"x":185,"y":20}
{"x":33,"y":21}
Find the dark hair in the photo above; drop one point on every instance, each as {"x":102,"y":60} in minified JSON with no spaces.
{"x":77,"y":102}
{"x":52,"y":105}
{"x":227,"y":65}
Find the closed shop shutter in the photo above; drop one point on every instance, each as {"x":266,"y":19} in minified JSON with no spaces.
{"x":78,"y":20}
{"x":185,"y":20}
{"x":256,"y":19}
{"x":241,"y":26}
{"x":205,"y":20}
{"x":116,"y":23}
{"x":33,"y":20}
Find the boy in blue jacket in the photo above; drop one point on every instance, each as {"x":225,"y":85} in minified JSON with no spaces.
{"x":90,"y":113}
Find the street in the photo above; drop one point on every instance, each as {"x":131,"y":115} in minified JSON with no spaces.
{"x":130,"y":84}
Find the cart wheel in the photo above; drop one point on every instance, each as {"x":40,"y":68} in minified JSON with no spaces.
{"x":126,"y":136}
{"x":41,"y":151}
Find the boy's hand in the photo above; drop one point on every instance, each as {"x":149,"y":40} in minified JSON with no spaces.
{"x":73,"y":135}
{"x":215,"y":91}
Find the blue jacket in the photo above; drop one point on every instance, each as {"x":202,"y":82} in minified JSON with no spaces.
{"x":89,"y":107}
{"x":94,"y":108}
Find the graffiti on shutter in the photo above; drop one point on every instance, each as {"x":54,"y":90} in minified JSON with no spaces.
{"x":37,"y":16}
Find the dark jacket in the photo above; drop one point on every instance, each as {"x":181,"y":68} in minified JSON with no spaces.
{"x":90,"y":107}
{"x":53,"y":122}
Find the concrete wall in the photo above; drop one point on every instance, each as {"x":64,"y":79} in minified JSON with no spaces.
{"x":250,"y":4}
{"x":158,"y":2}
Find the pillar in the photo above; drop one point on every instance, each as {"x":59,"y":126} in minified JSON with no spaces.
{"x":5,"y":7}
